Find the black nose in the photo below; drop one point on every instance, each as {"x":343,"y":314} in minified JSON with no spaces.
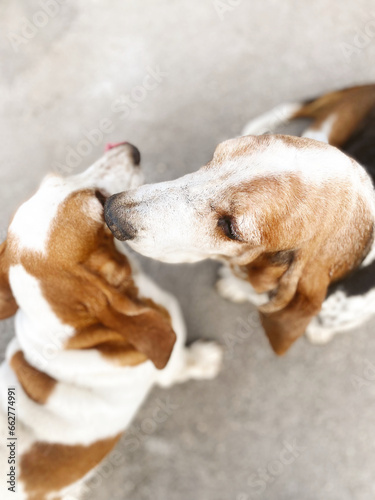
{"x":117,"y":223}
{"x":134,"y":152}
{"x":136,"y":155}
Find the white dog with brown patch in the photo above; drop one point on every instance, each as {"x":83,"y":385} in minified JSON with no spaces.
{"x":93,"y":334}
{"x":288,"y":216}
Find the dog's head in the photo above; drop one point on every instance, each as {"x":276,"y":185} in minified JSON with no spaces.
{"x":60,"y":252}
{"x":290,"y":214}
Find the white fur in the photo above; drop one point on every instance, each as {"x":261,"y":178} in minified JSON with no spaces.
{"x":239,"y":290}
{"x":370,"y":257}
{"x":174,"y":221}
{"x":339,"y":314}
{"x":22,"y":226}
{"x":112,"y":173}
{"x":33,"y":307}
{"x":271,"y":120}
{"x":94,"y":398}
{"x":281,"y":115}
{"x":323,"y":133}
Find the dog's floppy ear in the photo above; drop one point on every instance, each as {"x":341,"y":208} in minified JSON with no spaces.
{"x":8,"y":305}
{"x":144,"y":325}
{"x":150,"y":332}
{"x":284,"y":326}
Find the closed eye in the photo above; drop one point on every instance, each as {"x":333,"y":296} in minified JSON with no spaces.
{"x":229,"y":228}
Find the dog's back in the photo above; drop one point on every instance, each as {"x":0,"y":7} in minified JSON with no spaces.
{"x":347,"y":119}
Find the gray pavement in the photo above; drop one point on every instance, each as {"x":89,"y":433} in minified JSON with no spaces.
{"x":175,"y":78}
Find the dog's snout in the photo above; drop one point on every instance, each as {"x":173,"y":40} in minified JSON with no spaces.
{"x":134,"y":151}
{"x":116,"y":220}
{"x":135,"y":154}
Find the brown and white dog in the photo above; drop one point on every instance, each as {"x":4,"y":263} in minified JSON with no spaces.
{"x":93,"y":334}
{"x":288,"y":216}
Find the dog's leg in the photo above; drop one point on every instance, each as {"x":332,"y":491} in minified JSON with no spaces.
{"x":201,"y":360}
{"x":339,"y":314}
{"x":270,"y":121}
{"x":238,"y":290}
{"x":317,"y":334}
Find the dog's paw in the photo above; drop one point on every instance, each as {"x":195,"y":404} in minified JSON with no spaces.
{"x":203,"y":360}
{"x":229,"y":290}
{"x":238,"y":290}
{"x":318,"y":335}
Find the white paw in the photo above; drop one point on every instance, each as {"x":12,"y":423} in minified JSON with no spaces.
{"x":238,"y":290}
{"x":203,"y":360}
{"x":318,"y":335}
{"x":229,"y":290}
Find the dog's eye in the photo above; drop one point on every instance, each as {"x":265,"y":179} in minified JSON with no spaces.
{"x":228,"y":228}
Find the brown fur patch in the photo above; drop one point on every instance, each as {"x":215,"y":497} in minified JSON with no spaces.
{"x":305,"y":246}
{"x":109,"y":343}
{"x":350,"y":106}
{"x":285,"y":326}
{"x":36,"y":384}
{"x":88,"y":284}
{"x":8,"y":306}
{"x":266,"y":270}
{"x":49,"y":467}
{"x":233,"y":149}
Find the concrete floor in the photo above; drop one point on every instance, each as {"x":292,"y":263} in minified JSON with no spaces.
{"x":215,"y":67}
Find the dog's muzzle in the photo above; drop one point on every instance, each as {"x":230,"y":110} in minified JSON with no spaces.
{"x":115,"y":217}
{"x":134,"y":151}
